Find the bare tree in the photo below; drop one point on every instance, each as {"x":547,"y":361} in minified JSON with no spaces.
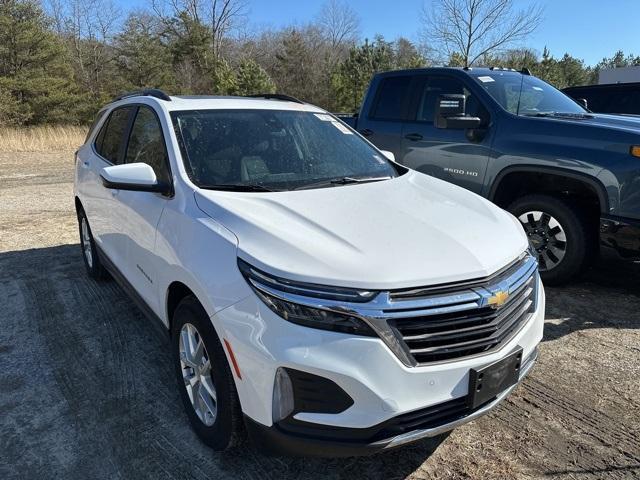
{"x":339,"y":23}
{"x":88,"y":26}
{"x":219,"y":16}
{"x":473,"y":29}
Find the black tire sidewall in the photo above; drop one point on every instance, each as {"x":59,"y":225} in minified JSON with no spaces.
{"x":96,"y":270}
{"x":224,"y":432}
{"x":570,"y":218}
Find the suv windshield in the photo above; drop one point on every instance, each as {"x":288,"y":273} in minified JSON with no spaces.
{"x":263,"y":150}
{"x":526,"y":95}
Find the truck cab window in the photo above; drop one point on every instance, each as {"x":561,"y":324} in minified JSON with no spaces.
{"x":390,"y":98}
{"x":436,"y":86}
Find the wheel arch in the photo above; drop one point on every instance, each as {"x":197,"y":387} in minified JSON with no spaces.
{"x":502,"y":181}
{"x":78,"y":204}
{"x":176,"y":292}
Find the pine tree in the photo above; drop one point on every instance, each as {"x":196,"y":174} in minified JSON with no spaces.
{"x":251,"y":78}
{"x":35,"y":76}
{"x":142,"y":58}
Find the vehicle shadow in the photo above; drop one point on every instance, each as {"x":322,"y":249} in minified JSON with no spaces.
{"x":103,"y":401}
{"x":88,"y":389}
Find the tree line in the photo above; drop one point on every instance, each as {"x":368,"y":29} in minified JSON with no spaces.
{"x":60,"y":60}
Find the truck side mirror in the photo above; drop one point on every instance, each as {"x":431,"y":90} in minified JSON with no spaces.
{"x":583,"y":103}
{"x":450,"y":113}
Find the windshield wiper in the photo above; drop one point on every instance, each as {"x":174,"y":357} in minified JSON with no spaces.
{"x":238,"y":187}
{"x":341,"y":181}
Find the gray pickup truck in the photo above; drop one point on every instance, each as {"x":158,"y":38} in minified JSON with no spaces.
{"x":572,"y":177}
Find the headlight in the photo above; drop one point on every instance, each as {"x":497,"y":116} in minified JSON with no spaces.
{"x":306,"y":304}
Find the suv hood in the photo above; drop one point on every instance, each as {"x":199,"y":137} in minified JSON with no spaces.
{"x":410,"y":231}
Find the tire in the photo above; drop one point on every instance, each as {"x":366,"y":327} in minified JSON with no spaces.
{"x":558,"y":232}
{"x":224,"y":428}
{"x":94,"y":267}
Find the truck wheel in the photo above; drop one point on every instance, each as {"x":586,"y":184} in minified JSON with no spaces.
{"x":205,"y":380}
{"x":89,"y":251}
{"x":557,"y":233}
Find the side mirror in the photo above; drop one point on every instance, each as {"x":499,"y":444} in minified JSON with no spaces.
{"x":583,"y":103}
{"x":450,"y":113}
{"x":132,"y":176}
{"x":389,"y":155}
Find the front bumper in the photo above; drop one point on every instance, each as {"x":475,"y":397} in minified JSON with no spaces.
{"x":383,"y":389}
{"x":622,"y":234}
{"x":321,"y":441}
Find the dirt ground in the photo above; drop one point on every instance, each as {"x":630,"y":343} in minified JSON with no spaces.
{"x":87,"y":389}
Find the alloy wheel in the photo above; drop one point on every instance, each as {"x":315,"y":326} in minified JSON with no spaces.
{"x":196,"y":372}
{"x":546,"y":237}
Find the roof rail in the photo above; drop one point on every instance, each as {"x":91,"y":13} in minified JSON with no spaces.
{"x":148,"y":92}
{"x":275,"y":96}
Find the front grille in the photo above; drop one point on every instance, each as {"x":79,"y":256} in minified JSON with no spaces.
{"x":449,"y":322}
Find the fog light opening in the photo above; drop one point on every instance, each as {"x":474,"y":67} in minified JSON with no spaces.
{"x":282,"y":404}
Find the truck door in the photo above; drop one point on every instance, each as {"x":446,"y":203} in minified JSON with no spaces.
{"x":458,"y":156}
{"x":381,"y":119}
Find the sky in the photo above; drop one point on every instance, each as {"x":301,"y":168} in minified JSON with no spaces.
{"x":587,"y":29}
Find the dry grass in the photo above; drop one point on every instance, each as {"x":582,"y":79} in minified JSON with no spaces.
{"x":41,"y":139}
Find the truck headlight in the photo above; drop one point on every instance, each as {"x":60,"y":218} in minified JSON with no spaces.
{"x":306,"y":304}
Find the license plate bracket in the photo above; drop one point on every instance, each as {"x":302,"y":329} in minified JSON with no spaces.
{"x":487,"y":382}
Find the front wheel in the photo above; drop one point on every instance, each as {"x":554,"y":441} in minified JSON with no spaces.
{"x":557,"y":233}
{"x":204,"y":378}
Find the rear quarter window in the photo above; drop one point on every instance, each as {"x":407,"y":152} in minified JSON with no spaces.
{"x":390,"y":98}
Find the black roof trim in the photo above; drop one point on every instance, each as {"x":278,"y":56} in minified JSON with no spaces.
{"x":147,"y":92}
{"x":276,"y":96}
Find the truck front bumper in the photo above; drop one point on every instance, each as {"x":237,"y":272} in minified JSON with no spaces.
{"x":622,"y":234}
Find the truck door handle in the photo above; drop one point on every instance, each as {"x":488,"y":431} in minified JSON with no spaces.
{"x":414,"y":137}
{"x":366,"y":132}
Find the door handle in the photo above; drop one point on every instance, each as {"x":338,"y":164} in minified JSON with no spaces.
{"x":366,"y":132}
{"x":85,"y":163}
{"x":414,"y":137}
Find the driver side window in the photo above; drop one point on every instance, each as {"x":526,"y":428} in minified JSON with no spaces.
{"x":436,"y":86}
{"x":146,"y":144}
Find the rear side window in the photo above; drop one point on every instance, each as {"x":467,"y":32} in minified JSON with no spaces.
{"x":390,"y":98}
{"x":110,"y":138}
{"x":146,"y":144}
{"x":623,"y":101}
{"x":93,"y":125}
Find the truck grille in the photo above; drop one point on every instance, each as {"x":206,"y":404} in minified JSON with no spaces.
{"x":454,"y":321}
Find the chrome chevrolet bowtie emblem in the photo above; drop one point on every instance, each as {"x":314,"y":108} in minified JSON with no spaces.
{"x":498,"y":299}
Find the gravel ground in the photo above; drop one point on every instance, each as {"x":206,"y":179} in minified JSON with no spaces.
{"x":87,"y":390}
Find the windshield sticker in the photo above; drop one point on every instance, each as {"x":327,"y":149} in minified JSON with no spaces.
{"x":342,"y":127}
{"x":486,"y":79}
{"x":324,"y":117}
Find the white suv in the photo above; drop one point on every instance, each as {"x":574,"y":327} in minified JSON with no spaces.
{"x":319,"y":296}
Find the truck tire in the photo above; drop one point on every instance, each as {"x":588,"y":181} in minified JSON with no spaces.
{"x":205,"y":380}
{"x":557,"y":232}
